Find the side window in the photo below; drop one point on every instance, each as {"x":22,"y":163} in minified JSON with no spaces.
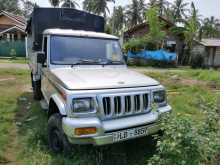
{"x":45,"y":46}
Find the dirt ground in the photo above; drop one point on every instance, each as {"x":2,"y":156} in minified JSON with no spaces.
{"x":13,"y":66}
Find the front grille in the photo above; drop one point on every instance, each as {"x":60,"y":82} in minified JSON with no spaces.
{"x":117,"y":106}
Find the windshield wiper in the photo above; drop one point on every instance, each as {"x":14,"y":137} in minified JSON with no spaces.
{"x":109,"y":62}
{"x":81,"y":62}
{"x":98,"y":62}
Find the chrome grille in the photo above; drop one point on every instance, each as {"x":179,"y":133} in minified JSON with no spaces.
{"x":117,"y":106}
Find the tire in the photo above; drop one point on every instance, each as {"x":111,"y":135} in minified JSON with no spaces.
{"x":57,"y":139}
{"x":36,"y":85}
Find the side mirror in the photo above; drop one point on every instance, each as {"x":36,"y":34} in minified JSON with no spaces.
{"x":41,"y":57}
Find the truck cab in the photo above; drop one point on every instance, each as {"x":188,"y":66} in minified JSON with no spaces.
{"x":91,"y":95}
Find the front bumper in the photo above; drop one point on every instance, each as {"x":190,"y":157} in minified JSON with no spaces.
{"x":105,"y":129}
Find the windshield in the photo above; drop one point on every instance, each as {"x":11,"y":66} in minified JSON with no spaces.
{"x":67,"y":50}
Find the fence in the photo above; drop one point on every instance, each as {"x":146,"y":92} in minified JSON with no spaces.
{"x":12,"y":48}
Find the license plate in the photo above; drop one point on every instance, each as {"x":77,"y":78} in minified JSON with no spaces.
{"x":129,"y":134}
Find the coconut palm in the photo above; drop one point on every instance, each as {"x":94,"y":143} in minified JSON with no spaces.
{"x":211,"y":27}
{"x":179,"y":9}
{"x":28,"y":7}
{"x":55,"y":3}
{"x":118,"y":19}
{"x":191,"y":31}
{"x":135,"y":12}
{"x":161,"y":4}
{"x":69,"y":4}
{"x":10,"y":6}
{"x":99,"y":7}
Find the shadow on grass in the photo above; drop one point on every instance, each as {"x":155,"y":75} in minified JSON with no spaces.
{"x":32,"y":130}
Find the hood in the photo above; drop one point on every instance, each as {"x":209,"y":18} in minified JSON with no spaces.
{"x":102,"y":78}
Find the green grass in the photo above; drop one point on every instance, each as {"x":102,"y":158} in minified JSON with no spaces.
{"x":23,"y":125}
{"x":18,"y":60}
{"x":187,"y":88}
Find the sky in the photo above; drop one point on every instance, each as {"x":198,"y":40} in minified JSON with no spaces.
{"x":206,"y":8}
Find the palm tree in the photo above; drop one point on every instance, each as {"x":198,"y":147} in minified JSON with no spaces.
{"x":69,"y":4}
{"x":55,"y":3}
{"x":195,"y":14}
{"x":28,"y":7}
{"x":10,"y":6}
{"x":211,"y":27}
{"x":135,"y":12}
{"x":161,"y":4}
{"x":99,"y":7}
{"x":180,"y":9}
{"x":142,"y":8}
{"x":89,"y":5}
{"x":190,"y":33}
{"x":118,"y":19}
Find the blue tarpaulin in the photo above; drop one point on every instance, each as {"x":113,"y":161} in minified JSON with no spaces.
{"x":159,"y":55}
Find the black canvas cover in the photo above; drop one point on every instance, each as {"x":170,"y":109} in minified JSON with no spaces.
{"x":63,"y":18}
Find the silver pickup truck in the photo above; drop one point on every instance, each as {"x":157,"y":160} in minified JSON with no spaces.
{"x":91,"y":95}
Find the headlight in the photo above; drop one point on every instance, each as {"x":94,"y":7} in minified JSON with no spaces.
{"x":159,"y":96}
{"x":83,"y":105}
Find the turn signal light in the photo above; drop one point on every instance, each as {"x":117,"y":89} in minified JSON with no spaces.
{"x":85,"y":131}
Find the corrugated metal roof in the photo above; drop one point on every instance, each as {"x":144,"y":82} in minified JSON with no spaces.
{"x":212,"y":42}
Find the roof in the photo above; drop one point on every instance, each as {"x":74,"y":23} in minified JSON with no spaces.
{"x":136,"y":27}
{"x":211,"y":42}
{"x":12,"y":28}
{"x":79,"y":33}
{"x":19,"y":25}
{"x":5,"y":27}
{"x":16,"y":18}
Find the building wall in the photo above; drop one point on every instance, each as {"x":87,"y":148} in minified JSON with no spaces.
{"x":217,"y":57}
{"x":198,"y":49}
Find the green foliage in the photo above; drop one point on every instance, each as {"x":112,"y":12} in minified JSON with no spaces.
{"x":188,"y":142}
{"x":211,"y":28}
{"x":197,"y":61}
{"x":55,"y":3}
{"x":99,"y":7}
{"x":135,"y":12}
{"x":10,"y":6}
{"x":118,"y":20}
{"x":179,"y":10}
{"x":155,"y":35}
{"x":108,"y":29}
{"x":135,"y":44}
{"x":154,"y":39}
{"x":190,"y":33}
{"x":28,"y":7}
{"x":69,"y":4}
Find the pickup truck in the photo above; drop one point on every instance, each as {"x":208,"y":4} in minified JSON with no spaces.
{"x":91,"y":95}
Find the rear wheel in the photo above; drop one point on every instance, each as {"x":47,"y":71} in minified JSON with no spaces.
{"x":57,"y":139}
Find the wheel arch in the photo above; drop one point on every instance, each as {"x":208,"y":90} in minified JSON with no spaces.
{"x":56,"y":105}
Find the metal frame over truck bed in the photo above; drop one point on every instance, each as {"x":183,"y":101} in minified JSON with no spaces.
{"x":63,"y":18}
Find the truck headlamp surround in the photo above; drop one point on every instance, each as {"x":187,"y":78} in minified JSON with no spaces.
{"x":83,"y":105}
{"x":159,"y":97}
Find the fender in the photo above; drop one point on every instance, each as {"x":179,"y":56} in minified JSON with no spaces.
{"x":60,"y":104}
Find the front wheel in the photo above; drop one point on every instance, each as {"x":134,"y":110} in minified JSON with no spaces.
{"x":58,"y":141}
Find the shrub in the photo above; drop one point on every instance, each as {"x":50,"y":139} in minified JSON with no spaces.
{"x":188,"y":142}
{"x":197,"y":61}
